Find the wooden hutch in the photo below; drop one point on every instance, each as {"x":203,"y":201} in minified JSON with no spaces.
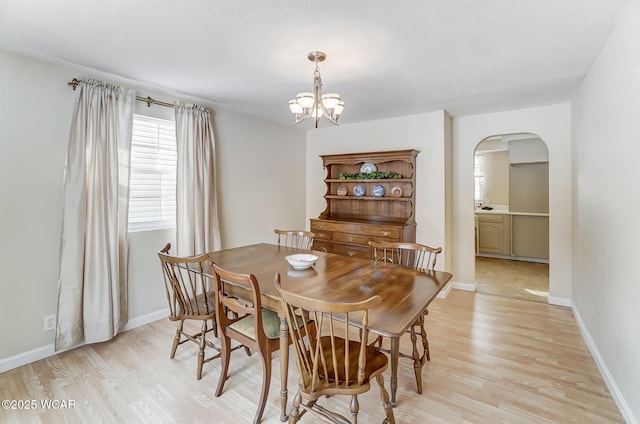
{"x":349,"y":220}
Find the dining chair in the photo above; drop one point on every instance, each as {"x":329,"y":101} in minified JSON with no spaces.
{"x":420,"y":257}
{"x":246,"y":322}
{"x":298,"y":239}
{"x":188,"y":298}
{"x":332,"y":358}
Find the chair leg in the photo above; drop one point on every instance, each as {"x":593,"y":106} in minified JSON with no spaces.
{"x":294,"y":414}
{"x":176,"y":339}
{"x":425,"y":340}
{"x":214,"y":325}
{"x":225,"y":343}
{"x":355,"y":407}
{"x":384,"y":396}
{"x":266,"y":380}
{"x":203,"y":344}
{"x":418,"y":361}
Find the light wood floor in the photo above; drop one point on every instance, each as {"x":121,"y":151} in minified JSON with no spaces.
{"x":493,"y":360}
{"x":515,"y":279}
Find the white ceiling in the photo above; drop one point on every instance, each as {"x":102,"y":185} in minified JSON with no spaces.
{"x":386,"y":58}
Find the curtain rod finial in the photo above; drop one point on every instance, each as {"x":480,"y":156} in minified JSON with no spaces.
{"x":73,"y":83}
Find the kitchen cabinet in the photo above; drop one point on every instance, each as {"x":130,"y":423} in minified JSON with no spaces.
{"x":529,"y":187}
{"x":494,"y":234}
{"x":530,"y":237}
{"x":528,"y":151}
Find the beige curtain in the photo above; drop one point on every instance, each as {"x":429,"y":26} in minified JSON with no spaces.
{"x":197,"y":229}
{"x":92,"y":283}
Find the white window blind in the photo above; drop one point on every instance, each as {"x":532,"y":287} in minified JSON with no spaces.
{"x":152,"y":198}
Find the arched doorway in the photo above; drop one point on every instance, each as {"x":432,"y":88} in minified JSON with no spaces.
{"x":511,"y":196}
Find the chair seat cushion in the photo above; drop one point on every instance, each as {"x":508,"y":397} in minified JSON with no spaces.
{"x":270,"y":322}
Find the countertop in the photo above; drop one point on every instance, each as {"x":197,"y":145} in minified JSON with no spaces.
{"x":504,"y":210}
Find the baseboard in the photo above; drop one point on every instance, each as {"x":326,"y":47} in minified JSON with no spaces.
{"x":626,"y":412}
{"x":146,"y":319}
{"x":560,"y":301}
{"x":514,"y":258}
{"x":463,"y":286}
{"x":24,"y":358}
{"x":42,"y":352}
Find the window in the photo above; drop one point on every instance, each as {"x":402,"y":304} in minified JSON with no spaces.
{"x":478,"y":179}
{"x":152,"y":196}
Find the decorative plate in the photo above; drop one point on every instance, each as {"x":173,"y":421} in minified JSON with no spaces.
{"x":396,"y":191}
{"x":377,"y":190}
{"x":342,"y":191}
{"x":359,"y":190}
{"x":367,"y":168}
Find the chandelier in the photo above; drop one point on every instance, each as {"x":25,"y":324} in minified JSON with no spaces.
{"x":315,"y":104}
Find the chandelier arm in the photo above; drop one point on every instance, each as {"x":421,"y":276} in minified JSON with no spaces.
{"x":328,"y":115}
{"x":299,"y":118}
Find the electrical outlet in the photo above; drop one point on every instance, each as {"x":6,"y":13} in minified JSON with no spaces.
{"x":49,"y":322}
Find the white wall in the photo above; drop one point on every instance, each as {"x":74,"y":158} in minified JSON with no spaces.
{"x":258,"y":165}
{"x":261,"y":176}
{"x":34,"y":131}
{"x":495,"y":168}
{"x":553,"y":125}
{"x":427,"y":133}
{"x":606,"y":112}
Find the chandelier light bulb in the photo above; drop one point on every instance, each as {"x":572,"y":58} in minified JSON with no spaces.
{"x":294,"y":107}
{"x":330,"y":100}
{"x":305,"y":100}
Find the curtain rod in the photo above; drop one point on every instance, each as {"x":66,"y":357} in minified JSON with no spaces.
{"x":148,"y":100}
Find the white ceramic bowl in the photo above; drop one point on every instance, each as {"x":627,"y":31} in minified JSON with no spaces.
{"x":301,"y":260}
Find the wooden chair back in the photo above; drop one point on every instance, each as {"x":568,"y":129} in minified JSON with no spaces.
{"x":186,"y":286}
{"x":412,"y":255}
{"x":238,"y":307}
{"x":297,"y":239}
{"x":334,"y":361}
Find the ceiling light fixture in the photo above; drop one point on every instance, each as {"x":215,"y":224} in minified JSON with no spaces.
{"x":315,"y":104}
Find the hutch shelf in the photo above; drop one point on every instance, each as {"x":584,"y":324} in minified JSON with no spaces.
{"x":349,"y":221}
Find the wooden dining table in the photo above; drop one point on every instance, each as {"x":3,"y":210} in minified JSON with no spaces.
{"x":405,"y":292}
